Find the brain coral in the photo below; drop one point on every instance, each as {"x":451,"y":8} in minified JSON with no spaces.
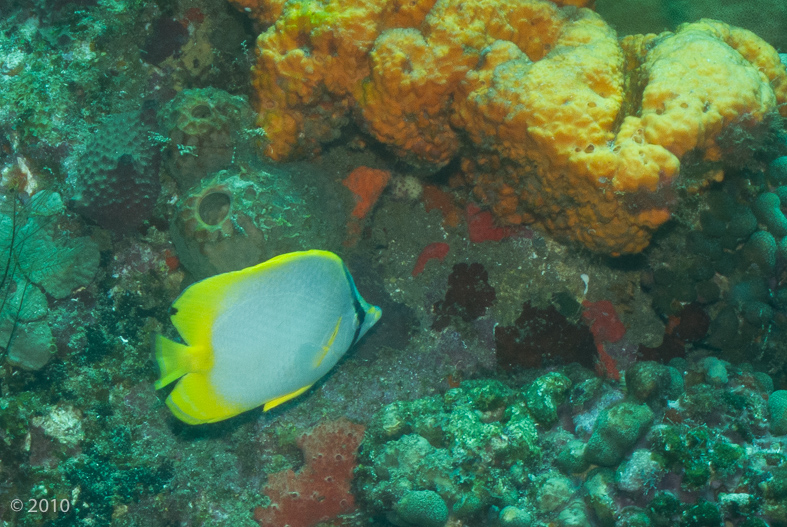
{"x":555,"y":120}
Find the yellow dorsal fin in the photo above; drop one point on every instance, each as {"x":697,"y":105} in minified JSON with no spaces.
{"x":284,"y":398}
{"x":176,"y":360}
{"x":328,"y":345}
{"x":197,"y":308}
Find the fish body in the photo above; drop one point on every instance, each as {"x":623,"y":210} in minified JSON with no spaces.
{"x":261,"y":335}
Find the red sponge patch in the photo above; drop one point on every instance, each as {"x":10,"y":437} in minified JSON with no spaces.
{"x":320,"y":490}
{"x":603,"y":320}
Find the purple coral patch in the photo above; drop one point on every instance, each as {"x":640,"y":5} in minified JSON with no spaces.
{"x":468,"y":296}
{"x":166,"y":38}
{"x":543,"y":337}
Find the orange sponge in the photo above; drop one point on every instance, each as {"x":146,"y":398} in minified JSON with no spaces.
{"x":367,"y":184}
{"x":554,"y":119}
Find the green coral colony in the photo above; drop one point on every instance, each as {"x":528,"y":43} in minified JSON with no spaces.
{"x":515,"y":381}
{"x":688,"y":444}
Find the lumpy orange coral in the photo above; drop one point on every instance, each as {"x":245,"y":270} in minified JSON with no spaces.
{"x":555,"y":120}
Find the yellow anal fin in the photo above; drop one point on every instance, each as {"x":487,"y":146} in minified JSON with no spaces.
{"x":173,"y":360}
{"x":194,"y":401}
{"x":284,"y":398}
{"x":327,"y":347}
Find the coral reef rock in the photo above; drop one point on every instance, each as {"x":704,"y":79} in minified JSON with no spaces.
{"x":687,"y":445}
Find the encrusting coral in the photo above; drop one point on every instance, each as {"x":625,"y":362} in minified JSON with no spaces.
{"x":556,"y":121}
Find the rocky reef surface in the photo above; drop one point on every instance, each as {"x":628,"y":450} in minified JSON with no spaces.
{"x":515,"y":379}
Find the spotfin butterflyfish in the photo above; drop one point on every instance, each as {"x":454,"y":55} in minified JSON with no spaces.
{"x":260,"y":336}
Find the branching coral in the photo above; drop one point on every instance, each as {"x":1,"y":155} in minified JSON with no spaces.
{"x":556,"y":121}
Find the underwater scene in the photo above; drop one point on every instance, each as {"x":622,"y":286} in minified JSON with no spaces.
{"x":393,"y":263}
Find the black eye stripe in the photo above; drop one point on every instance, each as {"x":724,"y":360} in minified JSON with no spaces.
{"x":360,"y":314}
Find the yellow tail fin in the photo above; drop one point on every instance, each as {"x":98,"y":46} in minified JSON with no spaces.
{"x":174,"y":360}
